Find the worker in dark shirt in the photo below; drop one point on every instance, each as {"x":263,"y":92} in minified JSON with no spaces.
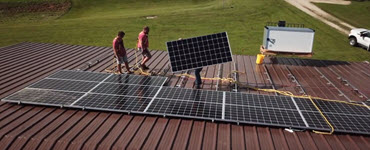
{"x":120,"y":52}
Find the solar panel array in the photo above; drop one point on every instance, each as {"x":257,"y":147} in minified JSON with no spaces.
{"x":100,"y":91}
{"x":147,"y":95}
{"x":199,"y":51}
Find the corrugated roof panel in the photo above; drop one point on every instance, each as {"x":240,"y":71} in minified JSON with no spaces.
{"x":34,"y":127}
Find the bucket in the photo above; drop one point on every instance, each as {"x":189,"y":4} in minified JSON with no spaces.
{"x":260,"y":58}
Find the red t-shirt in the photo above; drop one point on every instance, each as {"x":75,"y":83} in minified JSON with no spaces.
{"x":118,"y":44}
{"x":144,"y":38}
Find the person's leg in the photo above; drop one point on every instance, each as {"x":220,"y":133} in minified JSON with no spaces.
{"x":144,"y":60}
{"x":127,"y":67}
{"x":125,"y":60}
{"x":119,"y":68}
{"x":198,"y":79}
{"x":146,"y":57}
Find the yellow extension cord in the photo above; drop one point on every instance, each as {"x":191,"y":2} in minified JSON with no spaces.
{"x":286,"y":93}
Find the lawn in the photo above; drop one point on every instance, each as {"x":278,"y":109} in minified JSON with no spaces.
{"x":357,"y":13}
{"x":94,"y":22}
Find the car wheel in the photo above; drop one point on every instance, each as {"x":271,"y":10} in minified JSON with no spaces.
{"x":352,"y":41}
{"x":368,"y":48}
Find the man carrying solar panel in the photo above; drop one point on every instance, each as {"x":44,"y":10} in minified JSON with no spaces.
{"x":142,"y":45}
{"x":120,"y":52}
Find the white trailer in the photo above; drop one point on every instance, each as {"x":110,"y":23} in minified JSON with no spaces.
{"x":287,"y":39}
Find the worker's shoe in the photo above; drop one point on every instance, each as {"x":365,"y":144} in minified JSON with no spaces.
{"x":144,"y":67}
{"x":197,"y":87}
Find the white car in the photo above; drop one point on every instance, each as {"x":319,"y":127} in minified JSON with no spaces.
{"x":360,"y":37}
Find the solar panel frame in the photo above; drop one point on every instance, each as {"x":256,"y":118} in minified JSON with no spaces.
{"x":125,"y":90}
{"x":63,"y":85}
{"x":127,"y":103}
{"x":72,"y":81}
{"x":200,"y":49}
{"x":30,"y":99}
{"x":305,"y":104}
{"x":349,"y":123}
{"x":70,"y":75}
{"x":252,"y":115}
{"x":315,"y":120}
{"x":341,"y":108}
{"x":268,"y":101}
{"x":190,"y":95}
{"x":331,"y":107}
{"x":78,"y":75}
{"x":137,"y":79}
{"x":185,"y":106}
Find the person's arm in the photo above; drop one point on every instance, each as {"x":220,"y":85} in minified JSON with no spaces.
{"x":124,"y":49}
{"x":141,"y":42}
{"x":115,"y":50}
{"x":146,"y":42}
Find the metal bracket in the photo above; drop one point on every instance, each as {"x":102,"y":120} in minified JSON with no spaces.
{"x":296,"y":81}
{"x":183,"y":79}
{"x":346,"y":83}
{"x":269,"y":78}
{"x":331,"y":83}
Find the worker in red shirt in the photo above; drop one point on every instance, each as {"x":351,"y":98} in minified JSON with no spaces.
{"x":142,"y":45}
{"x":120,"y":52}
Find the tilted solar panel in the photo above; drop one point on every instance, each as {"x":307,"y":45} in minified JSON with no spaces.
{"x":199,"y":51}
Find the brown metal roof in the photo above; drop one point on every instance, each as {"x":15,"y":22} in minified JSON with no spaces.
{"x":31,"y":127}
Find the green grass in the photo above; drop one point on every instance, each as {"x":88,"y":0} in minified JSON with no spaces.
{"x":357,"y":13}
{"x":93,"y":22}
{"x":27,"y":1}
{"x":17,"y":11}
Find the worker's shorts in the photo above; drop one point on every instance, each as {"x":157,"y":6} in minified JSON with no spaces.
{"x":121,"y":59}
{"x":145,"y":53}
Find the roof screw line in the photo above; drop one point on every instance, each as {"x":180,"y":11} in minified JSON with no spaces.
{"x":359,"y":93}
